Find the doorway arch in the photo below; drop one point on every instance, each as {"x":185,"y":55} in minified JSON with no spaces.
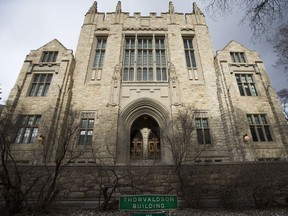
{"x":145,"y":139}
{"x":130,"y":127}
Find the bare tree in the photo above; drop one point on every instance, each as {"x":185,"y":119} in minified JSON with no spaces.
{"x":253,"y":183}
{"x":112,"y":178}
{"x":11,"y":177}
{"x":18,"y":183}
{"x":260,"y":14}
{"x":180,"y":138}
{"x":283,"y":97}
{"x":63,"y":141}
{"x":280,"y":44}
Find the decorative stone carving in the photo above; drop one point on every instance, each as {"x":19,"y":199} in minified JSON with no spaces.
{"x":115,"y":85}
{"x":118,"y":7}
{"x":93,"y":8}
{"x":118,"y":12}
{"x":171,"y":8}
{"x":174,"y":85}
{"x":171,"y":11}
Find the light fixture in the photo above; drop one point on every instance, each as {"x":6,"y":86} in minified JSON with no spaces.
{"x":246,"y":138}
{"x":40,"y":138}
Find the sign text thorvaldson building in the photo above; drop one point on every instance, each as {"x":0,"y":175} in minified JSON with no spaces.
{"x":148,"y":202}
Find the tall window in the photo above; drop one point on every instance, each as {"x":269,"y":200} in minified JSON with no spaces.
{"x":259,"y":128}
{"x":189,"y":52}
{"x":203,"y":131}
{"x":149,"y":54}
{"x":100,"y":52}
{"x":49,"y":56}
{"x":246,"y":84}
{"x":86,"y":131}
{"x":129,"y":57}
{"x":238,"y":57}
{"x":40,"y":84}
{"x":28,"y":129}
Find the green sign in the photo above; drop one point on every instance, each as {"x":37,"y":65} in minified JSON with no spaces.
{"x":147,"y":202}
{"x":149,"y":214}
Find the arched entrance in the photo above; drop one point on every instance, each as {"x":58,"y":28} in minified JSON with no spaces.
{"x":145,"y":139}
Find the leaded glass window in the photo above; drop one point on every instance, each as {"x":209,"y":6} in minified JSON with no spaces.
{"x":28,"y":129}
{"x":203,"y":131}
{"x":145,"y":59}
{"x":100,"y":52}
{"x":259,"y":128}
{"x":246,"y":85}
{"x":40,"y":84}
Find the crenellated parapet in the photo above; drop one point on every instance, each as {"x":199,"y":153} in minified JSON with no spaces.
{"x":171,"y":17}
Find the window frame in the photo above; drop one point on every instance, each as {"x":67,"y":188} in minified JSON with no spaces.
{"x":100,"y":50}
{"x":28,"y":129}
{"x":260,"y":129}
{"x":202,"y":130}
{"x":86,"y":131}
{"x":189,"y":51}
{"x":145,"y":59}
{"x":238,"y":57}
{"x":248,"y":86}
{"x":49,"y":56}
{"x":40,"y":87}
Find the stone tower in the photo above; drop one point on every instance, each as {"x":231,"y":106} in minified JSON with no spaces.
{"x":132,"y":73}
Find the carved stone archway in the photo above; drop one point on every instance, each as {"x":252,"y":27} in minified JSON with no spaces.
{"x":145,"y":139}
{"x":134,"y":131}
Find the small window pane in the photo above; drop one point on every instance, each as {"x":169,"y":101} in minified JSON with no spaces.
{"x":45,"y":90}
{"x":84,"y":123}
{"x":26,"y":135}
{"x":260,"y":133}
{"x":241,"y":90}
{"x":188,"y":59}
{"x":205,"y":122}
{"x":253,"y":89}
{"x":34,"y":135}
{"x":164,"y":74}
{"x":198,"y":123}
{"x":250,"y":120}
{"x":32,"y":90}
{"x":139,"y":74}
{"x":247,"y":90}
{"x":131,"y":74}
{"x":238,"y":78}
{"x":257,"y":120}
{"x":82,"y":137}
{"x":253,"y":133}
{"x":268,"y":134}
{"x":145,"y":74}
{"x":19,"y":134}
{"x":37,"y":120}
{"x":125,"y":75}
{"x":207,"y":136}
{"x":158,"y":74}
{"x":36,"y":77}
{"x":30,"y":120}
{"x":150,"y":73}
{"x":91,"y":123}
{"x":200,"y":137}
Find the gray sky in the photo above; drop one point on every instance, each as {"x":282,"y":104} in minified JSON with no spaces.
{"x":29,"y":24}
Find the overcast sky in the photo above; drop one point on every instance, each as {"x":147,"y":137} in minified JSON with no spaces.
{"x":29,"y":24}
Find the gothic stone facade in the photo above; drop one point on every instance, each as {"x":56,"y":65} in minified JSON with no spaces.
{"x":130,"y":74}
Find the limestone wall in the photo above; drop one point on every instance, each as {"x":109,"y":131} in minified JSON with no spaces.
{"x":204,"y":185}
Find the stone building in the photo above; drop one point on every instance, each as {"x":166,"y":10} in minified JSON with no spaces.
{"x":130,"y":75}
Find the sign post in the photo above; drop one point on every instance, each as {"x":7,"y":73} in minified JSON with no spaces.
{"x":148,"y":203}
